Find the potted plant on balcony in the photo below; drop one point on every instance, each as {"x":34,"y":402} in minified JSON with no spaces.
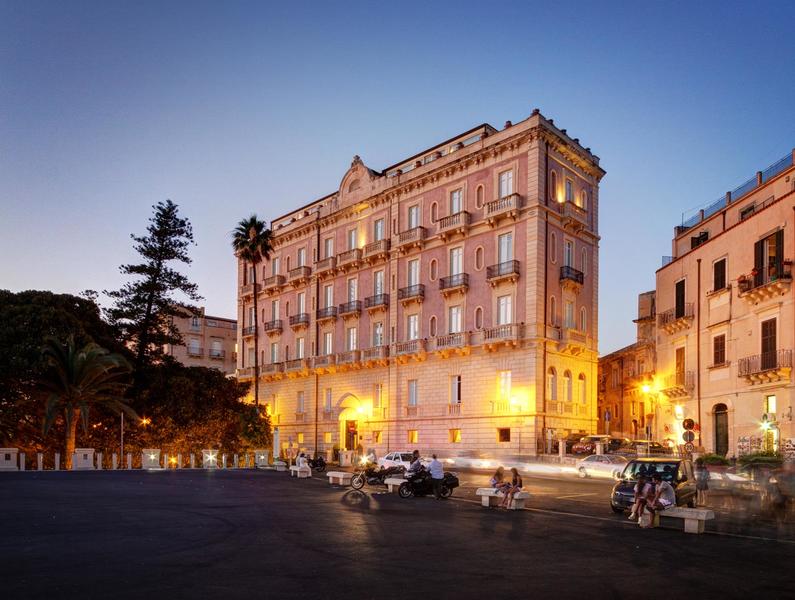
{"x":744,"y":282}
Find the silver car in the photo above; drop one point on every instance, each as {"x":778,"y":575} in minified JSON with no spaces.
{"x":608,"y":466}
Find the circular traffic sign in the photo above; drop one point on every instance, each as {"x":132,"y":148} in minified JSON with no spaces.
{"x":688,"y":424}
{"x":689,"y":447}
{"x":688,"y":436}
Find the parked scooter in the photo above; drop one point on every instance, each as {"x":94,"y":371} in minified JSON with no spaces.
{"x":372,"y":475}
{"x":317,"y":464}
{"x":421,"y":484}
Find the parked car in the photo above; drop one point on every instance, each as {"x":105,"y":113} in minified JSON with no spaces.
{"x":642,"y":448}
{"x":569,"y":440}
{"x":676,"y":471}
{"x":602,"y":465}
{"x":395,"y":459}
{"x":587,"y":444}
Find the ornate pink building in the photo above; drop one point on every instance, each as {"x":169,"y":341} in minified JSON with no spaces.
{"x":447,"y":302}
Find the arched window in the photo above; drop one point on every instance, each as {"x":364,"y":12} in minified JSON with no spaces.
{"x":567,"y":385}
{"x":288,"y":264}
{"x":582,"y":392}
{"x":478,"y":318}
{"x":434,"y":268}
{"x":479,"y":197}
{"x":433,"y":326}
{"x":553,"y":318}
{"x":583,"y":320}
{"x":584,"y":200}
{"x":479,"y":258}
{"x":553,"y":186}
{"x":552,"y":385}
{"x":434,"y":210}
{"x":553,"y":247}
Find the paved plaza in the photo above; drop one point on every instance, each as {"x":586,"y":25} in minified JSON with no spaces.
{"x":255,"y":534}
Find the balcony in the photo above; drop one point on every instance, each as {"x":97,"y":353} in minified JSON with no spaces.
{"x":325,"y":268}
{"x":452,"y":343}
{"x":502,"y":335}
{"x":350,"y":259}
{"x":273,"y":327}
{"x":375,"y":356}
{"x":249,"y":331}
{"x":412,"y":411}
{"x":507,"y":207}
{"x":454,"y":284}
{"x":351,"y":309}
{"x":504,"y":271}
{"x":453,"y":224}
{"x":411,"y":238}
{"x":328,"y":415}
{"x":404,"y":351}
{"x":376,"y":251}
{"x":328,"y":313}
{"x":505,"y":407}
{"x":571,"y":279}
{"x":273,"y":284}
{"x":216,"y":354}
{"x":296,"y":367}
{"x":249,"y":289}
{"x":375,"y":303}
{"x":766,"y":367}
{"x":324,"y":363}
{"x":299,"y":275}
{"x":348,"y":359}
{"x":246,"y":373}
{"x":300,"y":417}
{"x":674,"y":320}
{"x":454,"y":410}
{"x":412,"y":293}
{"x":572,"y":341}
{"x":272,"y":371}
{"x":679,"y":384}
{"x":195,"y":352}
{"x":756,"y":286}
{"x":574,"y":218}
{"x":299,"y":321}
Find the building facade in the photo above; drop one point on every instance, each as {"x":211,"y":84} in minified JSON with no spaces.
{"x":626,"y":379}
{"x":209,"y":342}
{"x":448,"y":302}
{"x":725,"y":324}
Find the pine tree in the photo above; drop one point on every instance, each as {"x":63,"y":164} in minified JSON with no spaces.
{"x":144,"y":308}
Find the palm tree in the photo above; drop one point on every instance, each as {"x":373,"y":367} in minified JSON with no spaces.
{"x":251,"y":241}
{"x":78,"y":378}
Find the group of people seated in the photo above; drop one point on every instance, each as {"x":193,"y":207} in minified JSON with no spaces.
{"x":652,"y":494}
{"x":508,"y":487}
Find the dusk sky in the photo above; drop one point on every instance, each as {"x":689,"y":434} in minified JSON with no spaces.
{"x":232,"y":108}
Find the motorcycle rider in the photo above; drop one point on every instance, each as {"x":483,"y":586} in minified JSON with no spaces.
{"x":415,"y":466}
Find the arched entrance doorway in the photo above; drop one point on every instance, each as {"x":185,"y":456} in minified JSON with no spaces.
{"x":351,"y":411}
{"x":721,"y":427}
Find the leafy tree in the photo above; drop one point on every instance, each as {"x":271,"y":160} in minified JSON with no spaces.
{"x":76,"y":380}
{"x":144,"y":308}
{"x":251,"y":241}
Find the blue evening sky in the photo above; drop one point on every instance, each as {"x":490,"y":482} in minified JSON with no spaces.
{"x":230,"y":108}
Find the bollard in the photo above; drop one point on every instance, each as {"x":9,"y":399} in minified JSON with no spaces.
{"x":21,"y":461}
{"x":562,"y":449}
{"x":236,"y":462}
{"x":129,"y":460}
{"x":39,"y":461}
{"x":179,"y":461}
{"x":165,"y":460}
{"x":57,"y":461}
{"x":223,"y":461}
{"x":192,"y":461}
{"x":600,"y":448}
{"x":114,"y":461}
{"x":99,"y":461}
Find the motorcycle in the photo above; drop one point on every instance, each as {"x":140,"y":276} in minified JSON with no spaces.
{"x":372,"y":475}
{"x":421,"y":484}
{"x":317,"y":464}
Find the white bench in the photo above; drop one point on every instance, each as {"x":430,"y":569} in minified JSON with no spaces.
{"x":300,"y":472}
{"x":339,"y":477}
{"x":492,"y":497}
{"x":393,"y":483}
{"x":694,"y":518}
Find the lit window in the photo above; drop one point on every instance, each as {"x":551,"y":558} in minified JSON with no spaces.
{"x":300,"y":438}
{"x":376,"y":437}
{"x":327,"y":438}
{"x":454,"y":436}
{"x":770,"y":403}
{"x":412,"y":436}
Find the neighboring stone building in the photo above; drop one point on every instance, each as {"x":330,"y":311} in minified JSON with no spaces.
{"x":726,"y":328}
{"x":209,"y":342}
{"x":448,"y":302}
{"x":626,"y":397}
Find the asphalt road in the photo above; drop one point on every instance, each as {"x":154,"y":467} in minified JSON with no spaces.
{"x":249,"y":534}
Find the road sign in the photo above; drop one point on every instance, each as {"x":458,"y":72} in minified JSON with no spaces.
{"x":688,"y":424}
{"x":688,"y":436}
{"x":689,"y":447}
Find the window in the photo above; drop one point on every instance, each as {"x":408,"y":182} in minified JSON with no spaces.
{"x":584,"y":261}
{"x":301,"y":302}
{"x":769,"y":259}
{"x":479,"y":258}
{"x":433,"y":326}
{"x":274,"y":310}
{"x":583,"y":319}
{"x":568,"y":253}
{"x":569,"y":191}
{"x":378,"y":230}
{"x":274,"y":352}
{"x":719,"y":274}
{"x":553,"y":309}
{"x":300,"y":437}
{"x":433,"y":269}
{"x":506,"y":183}
{"x":504,"y":310}
{"x":770,"y":404}
{"x":584,"y":200}
{"x":455,"y":389}
{"x":582,"y":391}
{"x":504,"y":384}
{"x":478,"y":318}
{"x":413,"y":273}
{"x":328,"y":345}
{"x":679,"y":365}
{"x":328,"y":247}
{"x":679,"y":309}
{"x":194,"y":322}
{"x":352,"y":239}
{"x":719,"y":349}
{"x":454,"y":319}
{"x":378,"y":391}
{"x":552,"y":384}
{"x":378,"y":283}
{"x":412,"y":437}
{"x":434,"y":212}
{"x":376,"y":437}
{"x":193,"y":347}
{"x":413,"y":327}
{"x":699,"y":239}
{"x":378,"y":334}
{"x":251,"y":357}
{"x":353,"y":291}
{"x":747,"y":212}
{"x":456,"y":261}
{"x":768,"y":344}
{"x":414,"y":216}
{"x":505,"y":247}
{"x":456,"y":202}
{"x":299,"y":348}
{"x":412,"y":386}
{"x":251,"y":315}
{"x":275,"y":264}
{"x":327,"y":438}
{"x":301,"y":258}
{"x":568,"y":314}
{"x":454,"y":436}
{"x":553,"y":186}
{"x":567,"y":386}
{"x":299,"y":404}
{"x":328,"y":295}
{"x":553,"y":247}
{"x":479,"y":197}
{"x":350,"y":338}
{"x":503,"y":434}
{"x":327,"y":401}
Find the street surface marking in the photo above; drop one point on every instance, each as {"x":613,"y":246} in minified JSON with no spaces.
{"x":576,"y":495}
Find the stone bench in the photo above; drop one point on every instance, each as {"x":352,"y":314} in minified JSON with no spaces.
{"x":492,"y":497}
{"x":339,"y":477}
{"x":694,"y":518}
{"x":393,"y":483}
{"x":280,"y":465}
{"x":300,"y":472}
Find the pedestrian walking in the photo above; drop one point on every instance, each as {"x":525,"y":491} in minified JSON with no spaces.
{"x":702,"y":482}
{"x":437,"y":475}
{"x":514,"y":486}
